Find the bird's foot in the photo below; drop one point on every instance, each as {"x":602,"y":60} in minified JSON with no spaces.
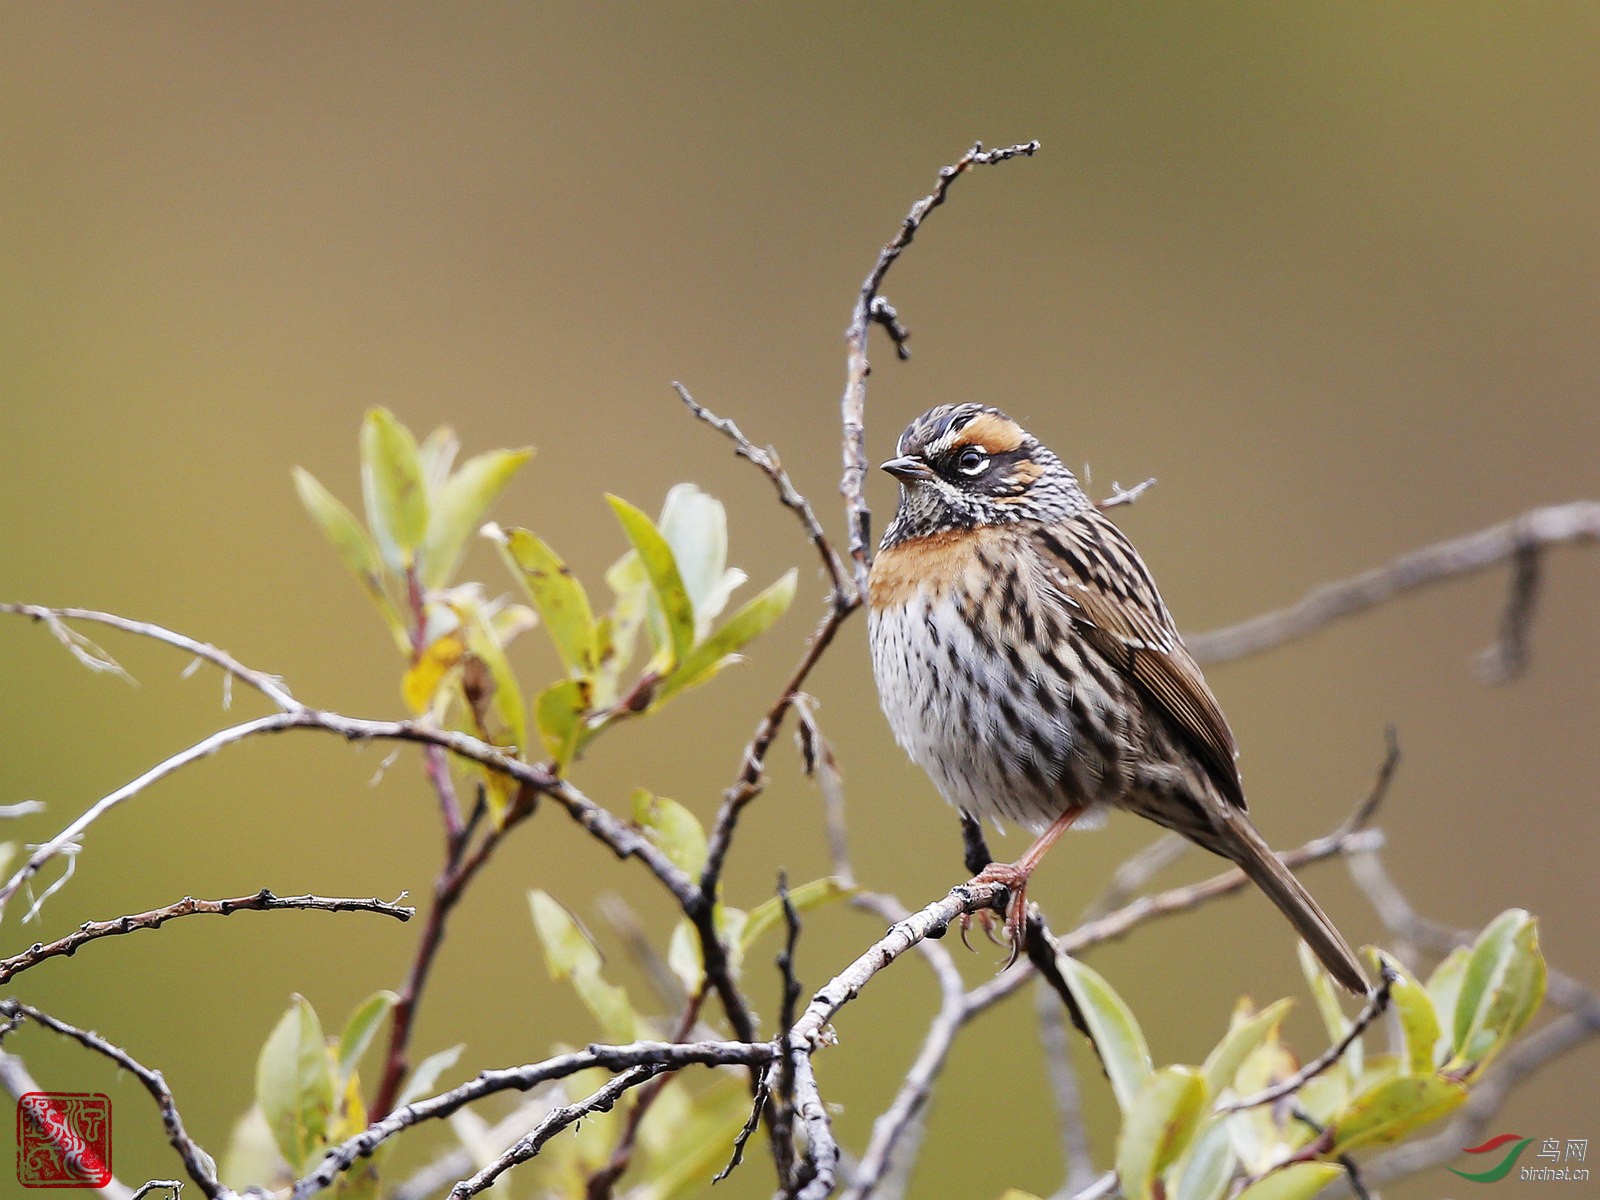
{"x":1014,"y":878}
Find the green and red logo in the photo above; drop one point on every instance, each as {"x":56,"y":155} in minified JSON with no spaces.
{"x":1502,"y":1168}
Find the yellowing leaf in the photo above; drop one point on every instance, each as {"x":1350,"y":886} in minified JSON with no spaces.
{"x":556,"y":593}
{"x":458,"y":505}
{"x":1111,"y":1024}
{"x":1157,"y":1128}
{"x":393,"y":488}
{"x":1297,"y":1181}
{"x":1419,"y":1022}
{"x":560,"y":711}
{"x":1223,"y":1063}
{"x":422,"y":679}
{"x":666,"y":585}
{"x":295,"y":1086}
{"x":1392,"y":1109}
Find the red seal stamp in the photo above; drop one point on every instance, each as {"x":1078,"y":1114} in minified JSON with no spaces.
{"x":63,"y":1140}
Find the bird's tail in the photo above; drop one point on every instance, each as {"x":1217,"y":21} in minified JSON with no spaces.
{"x":1255,"y":858}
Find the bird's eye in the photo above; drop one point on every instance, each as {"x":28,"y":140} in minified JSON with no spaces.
{"x":971,"y":461}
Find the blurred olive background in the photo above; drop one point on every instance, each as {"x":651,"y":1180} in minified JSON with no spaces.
{"x":1330,"y":273}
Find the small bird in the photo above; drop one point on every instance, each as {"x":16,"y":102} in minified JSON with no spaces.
{"x":1026,"y":661}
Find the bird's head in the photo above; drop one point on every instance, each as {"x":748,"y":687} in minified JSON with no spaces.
{"x":961,"y":466}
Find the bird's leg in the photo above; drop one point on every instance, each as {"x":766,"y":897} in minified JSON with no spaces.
{"x":1014,"y":878}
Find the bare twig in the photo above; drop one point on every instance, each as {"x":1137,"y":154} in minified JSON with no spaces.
{"x":1374,"y":1008}
{"x":269,"y":686}
{"x":1506,"y":659}
{"x":869,"y":310}
{"x":623,"y":840}
{"x":657,"y":1056}
{"x":1540,"y":527}
{"x":1121,"y":495}
{"x":199,"y":1165}
{"x":262,"y":901}
{"x":601,"y":1100}
{"x":821,"y":1161}
{"x":1077,"y":1165}
{"x":766,"y":461}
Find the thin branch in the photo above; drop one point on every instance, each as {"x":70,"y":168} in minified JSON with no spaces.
{"x":1513,"y":539}
{"x":869,"y":310}
{"x":1121,"y":495}
{"x":766,"y":461}
{"x":1077,"y":1165}
{"x":1374,"y":1008}
{"x":623,"y":840}
{"x":821,"y":1162}
{"x":601,"y":1100}
{"x":658,"y":1056}
{"x":262,"y":901}
{"x":199,"y":1165}
{"x":269,"y":686}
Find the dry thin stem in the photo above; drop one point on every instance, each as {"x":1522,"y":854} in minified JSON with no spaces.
{"x":262,"y":901}
{"x":870,"y":309}
{"x":600,"y":1100}
{"x":766,"y":460}
{"x":196,"y":1161}
{"x":657,"y":1056}
{"x":1438,"y":561}
{"x":269,"y":686}
{"x":1377,"y":1003}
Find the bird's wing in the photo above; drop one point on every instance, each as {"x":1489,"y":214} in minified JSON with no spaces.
{"x":1111,"y":598}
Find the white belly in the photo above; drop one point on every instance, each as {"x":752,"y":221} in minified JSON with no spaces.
{"x":996,"y":743}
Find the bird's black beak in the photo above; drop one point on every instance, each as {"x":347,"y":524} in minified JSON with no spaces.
{"x":908,"y":468}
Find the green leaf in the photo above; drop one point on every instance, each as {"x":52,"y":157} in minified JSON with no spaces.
{"x":252,"y":1158}
{"x":1325,"y":992}
{"x":570,"y":955}
{"x":1206,"y":1168}
{"x":1113,"y":1029}
{"x":1392,"y":1109}
{"x":1157,"y":1128}
{"x":427,"y":1074}
{"x":687,"y":1146}
{"x":1501,"y":988}
{"x":666,"y":585}
{"x":294,"y":1085}
{"x":711,"y":655}
{"x":560,"y":712}
{"x":1223,"y":1063}
{"x":353,"y":544}
{"x":1297,"y":1181}
{"x":458,"y":505}
{"x":361,"y":1028}
{"x":673,"y":828}
{"x":696,"y":527}
{"x":1419,"y":1022}
{"x":769,"y":913}
{"x":392,"y":486}
{"x":557,"y":594}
